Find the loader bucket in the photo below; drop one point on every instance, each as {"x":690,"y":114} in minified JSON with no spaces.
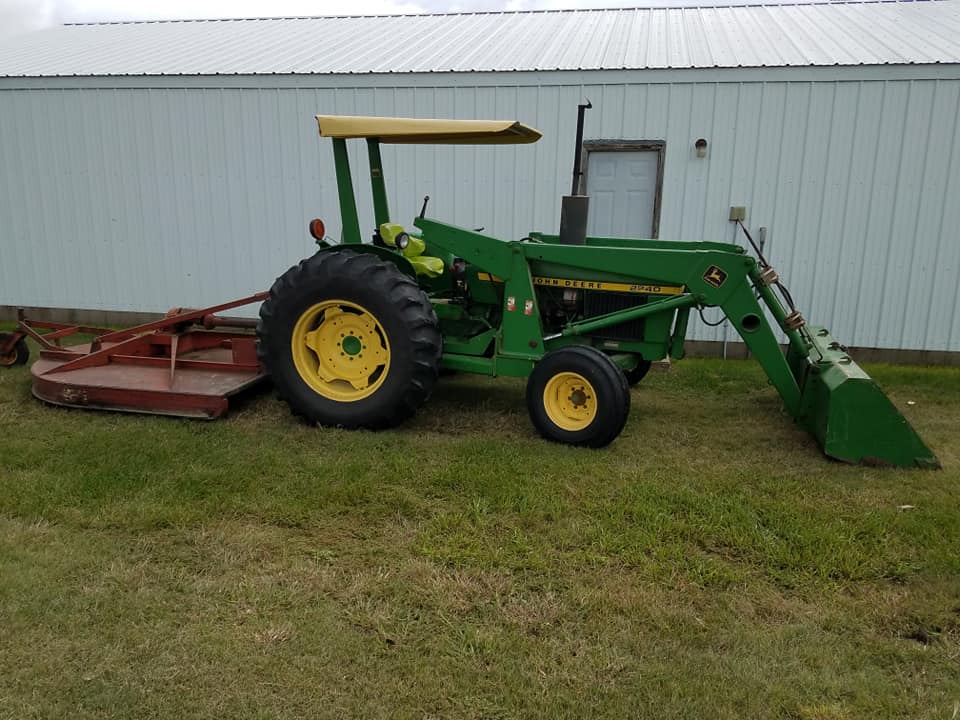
{"x":849,"y":415}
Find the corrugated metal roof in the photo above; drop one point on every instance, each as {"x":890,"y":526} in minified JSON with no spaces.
{"x":800,"y":35}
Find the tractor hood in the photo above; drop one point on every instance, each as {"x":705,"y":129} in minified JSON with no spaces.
{"x":427,"y":132}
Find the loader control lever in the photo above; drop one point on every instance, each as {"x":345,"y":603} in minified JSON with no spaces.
{"x":423,"y":210}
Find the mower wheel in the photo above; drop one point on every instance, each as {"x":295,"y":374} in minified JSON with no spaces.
{"x":18,"y":356}
{"x":638,"y":373}
{"x":577,"y":395}
{"x":349,"y":340}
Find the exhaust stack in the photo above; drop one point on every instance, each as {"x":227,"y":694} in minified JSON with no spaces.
{"x":574,"y":207}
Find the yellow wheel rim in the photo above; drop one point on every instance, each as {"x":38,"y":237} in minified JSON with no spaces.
{"x":570,"y":401}
{"x":341,"y":350}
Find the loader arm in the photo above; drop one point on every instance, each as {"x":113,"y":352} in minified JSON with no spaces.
{"x":731,"y":287}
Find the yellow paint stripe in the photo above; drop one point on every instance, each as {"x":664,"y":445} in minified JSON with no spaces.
{"x":567,"y":283}
{"x":638,"y":288}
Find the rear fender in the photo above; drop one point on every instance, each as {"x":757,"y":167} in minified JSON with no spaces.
{"x":383,"y":253}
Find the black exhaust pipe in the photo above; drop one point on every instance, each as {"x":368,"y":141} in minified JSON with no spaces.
{"x":574,"y":207}
{"x":578,"y":150}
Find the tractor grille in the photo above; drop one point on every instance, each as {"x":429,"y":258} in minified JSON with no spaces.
{"x":601,"y":303}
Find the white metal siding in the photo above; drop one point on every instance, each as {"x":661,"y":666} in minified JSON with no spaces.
{"x":141,"y":199}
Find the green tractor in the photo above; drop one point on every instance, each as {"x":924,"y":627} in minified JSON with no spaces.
{"x":356,"y":335}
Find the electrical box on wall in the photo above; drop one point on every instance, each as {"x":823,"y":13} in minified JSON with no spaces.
{"x":738,"y":212}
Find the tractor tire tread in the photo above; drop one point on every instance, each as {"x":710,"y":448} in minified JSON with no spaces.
{"x":610,"y":384}
{"x":415,"y":346}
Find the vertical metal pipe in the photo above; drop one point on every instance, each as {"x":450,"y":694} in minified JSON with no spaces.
{"x":578,"y":153}
{"x":724,"y":324}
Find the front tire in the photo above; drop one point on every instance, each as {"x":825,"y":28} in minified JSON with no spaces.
{"x":577,"y":395}
{"x":349,"y":340}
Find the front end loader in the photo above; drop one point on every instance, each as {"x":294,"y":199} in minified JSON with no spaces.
{"x":357,"y":334}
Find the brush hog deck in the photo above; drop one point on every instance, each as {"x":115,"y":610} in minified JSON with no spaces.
{"x":189,"y":364}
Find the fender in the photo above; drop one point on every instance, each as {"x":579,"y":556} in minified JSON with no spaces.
{"x":383,"y":253}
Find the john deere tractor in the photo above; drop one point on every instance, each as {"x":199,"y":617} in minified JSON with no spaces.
{"x":356,"y":335}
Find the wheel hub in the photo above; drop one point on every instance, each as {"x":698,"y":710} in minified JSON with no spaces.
{"x":340,"y":350}
{"x":570,"y":401}
{"x":352,"y":345}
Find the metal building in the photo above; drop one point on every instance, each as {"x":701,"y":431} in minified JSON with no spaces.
{"x":145,"y":165}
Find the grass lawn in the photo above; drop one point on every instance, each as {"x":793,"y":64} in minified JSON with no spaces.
{"x":709,"y":564}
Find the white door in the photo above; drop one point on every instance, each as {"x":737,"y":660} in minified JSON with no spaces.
{"x":622,"y":186}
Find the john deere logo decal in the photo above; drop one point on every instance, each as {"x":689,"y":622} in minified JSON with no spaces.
{"x":714,"y":276}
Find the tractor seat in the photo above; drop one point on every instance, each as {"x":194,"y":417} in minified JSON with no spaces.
{"x":427,"y":265}
{"x":423,"y":264}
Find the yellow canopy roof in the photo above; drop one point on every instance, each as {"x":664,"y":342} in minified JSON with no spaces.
{"x":427,"y":132}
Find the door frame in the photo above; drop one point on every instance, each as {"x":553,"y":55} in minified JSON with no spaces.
{"x":657,"y":146}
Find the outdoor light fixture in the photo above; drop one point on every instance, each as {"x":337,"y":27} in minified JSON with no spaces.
{"x":701,"y":147}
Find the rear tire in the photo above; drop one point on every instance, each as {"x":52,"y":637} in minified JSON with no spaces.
{"x":349,"y":340}
{"x":18,"y":356}
{"x":638,"y":373}
{"x":577,"y":395}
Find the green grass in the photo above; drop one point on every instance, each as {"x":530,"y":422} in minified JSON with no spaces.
{"x":709,"y":564}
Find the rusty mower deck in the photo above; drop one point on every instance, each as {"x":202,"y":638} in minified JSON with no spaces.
{"x":188,"y":364}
